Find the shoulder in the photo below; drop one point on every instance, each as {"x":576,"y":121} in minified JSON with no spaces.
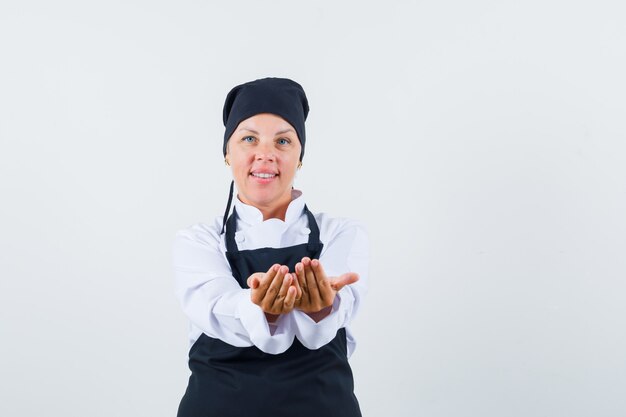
{"x":198,"y":247}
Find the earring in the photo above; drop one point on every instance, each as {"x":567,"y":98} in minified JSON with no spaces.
{"x":226,"y":162}
{"x":299,"y":164}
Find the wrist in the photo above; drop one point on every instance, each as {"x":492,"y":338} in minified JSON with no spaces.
{"x":319,"y":315}
{"x":272,"y":318}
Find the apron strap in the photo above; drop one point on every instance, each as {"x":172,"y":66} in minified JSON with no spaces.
{"x":230,"y":200}
{"x":231,"y":228}
{"x":314,"y":236}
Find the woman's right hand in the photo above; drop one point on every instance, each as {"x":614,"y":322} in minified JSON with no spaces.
{"x":274,"y":291}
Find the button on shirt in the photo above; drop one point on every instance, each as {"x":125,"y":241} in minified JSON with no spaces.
{"x":215,"y":303}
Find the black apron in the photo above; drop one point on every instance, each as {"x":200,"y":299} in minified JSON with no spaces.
{"x":244,"y":381}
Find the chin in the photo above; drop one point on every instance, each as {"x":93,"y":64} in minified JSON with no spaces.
{"x":264,"y":199}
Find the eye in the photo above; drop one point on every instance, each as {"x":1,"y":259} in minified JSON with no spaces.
{"x":283,"y":141}
{"x":248,"y":139}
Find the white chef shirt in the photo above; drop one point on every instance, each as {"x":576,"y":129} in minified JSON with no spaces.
{"x":216,"y":304}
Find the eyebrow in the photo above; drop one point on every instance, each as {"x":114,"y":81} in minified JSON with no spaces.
{"x":277,"y":133}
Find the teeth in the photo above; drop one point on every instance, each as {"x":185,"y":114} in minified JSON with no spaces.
{"x":263,"y":175}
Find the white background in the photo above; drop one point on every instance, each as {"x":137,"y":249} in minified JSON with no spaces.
{"x":482,"y":143}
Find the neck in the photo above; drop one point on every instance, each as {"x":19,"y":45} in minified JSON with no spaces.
{"x":274,"y":213}
{"x":276,"y":210}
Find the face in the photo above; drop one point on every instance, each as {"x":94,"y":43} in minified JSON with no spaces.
{"x":263,"y":153}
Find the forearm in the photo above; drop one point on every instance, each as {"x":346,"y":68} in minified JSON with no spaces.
{"x":215,"y":303}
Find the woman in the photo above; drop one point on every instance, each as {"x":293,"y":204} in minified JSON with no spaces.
{"x":271,"y":289}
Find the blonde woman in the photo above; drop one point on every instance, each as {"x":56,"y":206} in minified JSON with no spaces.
{"x":269,"y":290}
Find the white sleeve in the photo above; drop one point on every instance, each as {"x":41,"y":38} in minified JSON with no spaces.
{"x":346,"y":251}
{"x":213,"y":300}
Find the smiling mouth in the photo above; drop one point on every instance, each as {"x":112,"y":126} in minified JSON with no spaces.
{"x":263,"y":175}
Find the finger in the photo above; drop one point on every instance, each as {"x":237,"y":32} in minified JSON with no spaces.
{"x":320,"y":275}
{"x":326,"y":293}
{"x":306,"y":260}
{"x":274,"y":288}
{"x":290,"y":299}
{"x":259,"y":282}
{"x":270,"y":274}
{"x":301,"y":281}
{"x":282,"y":293}
{"x":254,"y":281}
{"x":266,"y":279}
{"x":252,"y":278}
{"x":343,"y":280}
{"x":311,"y":284}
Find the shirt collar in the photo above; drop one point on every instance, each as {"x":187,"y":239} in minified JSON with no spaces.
{"x":252,"y":215}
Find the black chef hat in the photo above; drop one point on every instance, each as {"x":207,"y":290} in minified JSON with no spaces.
{"x":280,"y":96}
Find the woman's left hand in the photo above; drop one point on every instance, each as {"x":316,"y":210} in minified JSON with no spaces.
{"x":319,"y":290}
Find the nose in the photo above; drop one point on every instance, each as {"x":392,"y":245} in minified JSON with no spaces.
{"x":265,"y":152}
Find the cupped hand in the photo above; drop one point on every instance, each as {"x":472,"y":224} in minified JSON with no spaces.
{"x":318,"y":290}
{"x":274,"y":291}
